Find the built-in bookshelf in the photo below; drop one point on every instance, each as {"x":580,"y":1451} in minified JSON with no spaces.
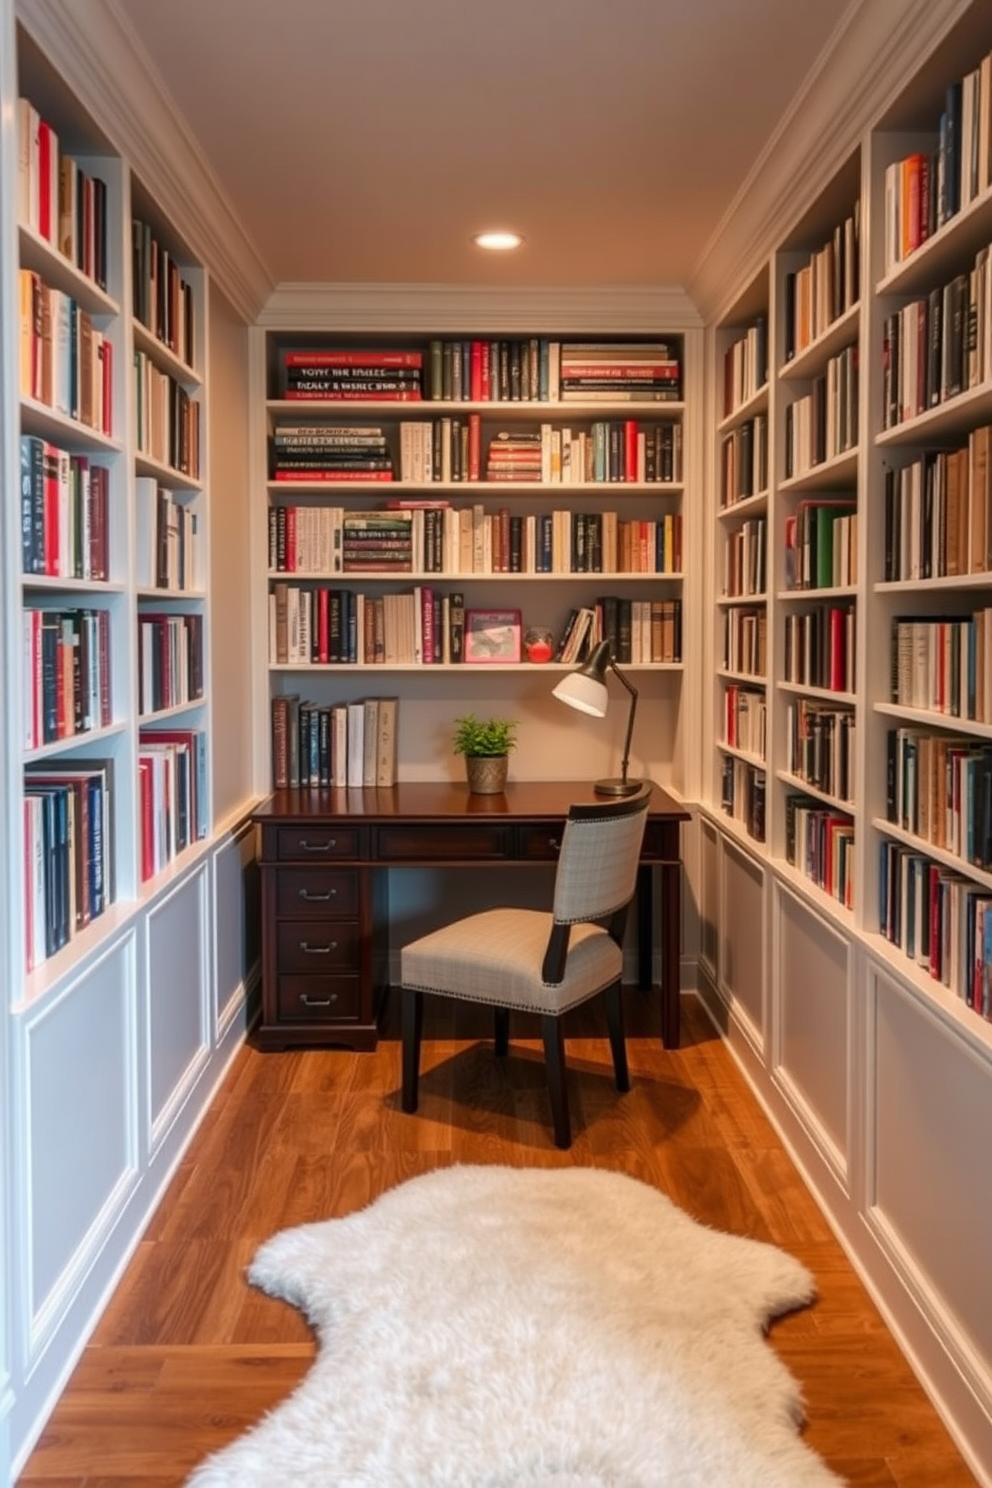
{"x":113,"y":720}
{"x":741,"y":561}
{"x":413,"y":481}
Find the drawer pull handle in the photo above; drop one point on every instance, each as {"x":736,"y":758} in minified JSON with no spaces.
{"x":555,"y":844}
{"x":306,"y":846}
{"x":318,"y":950}
{"x":317,"y":898}
{"x":309,"y":1001}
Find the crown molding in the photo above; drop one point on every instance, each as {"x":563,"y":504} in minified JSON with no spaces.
{"x":95,"y":51}
{"x":452,"y":307}
{"x":876,"y":46}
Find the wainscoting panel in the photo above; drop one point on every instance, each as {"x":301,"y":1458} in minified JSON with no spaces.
{"x":709,"y":896}
{"x":742,"y":962}
{"x":930,"y":1196}
{"x":80,"y":1154}
{"x":178,"y":970}
{"x":237,"y":928}
{"x":811,"y":1048}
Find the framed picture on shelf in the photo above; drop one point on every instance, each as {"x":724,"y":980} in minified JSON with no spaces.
{"x":492,"y":637}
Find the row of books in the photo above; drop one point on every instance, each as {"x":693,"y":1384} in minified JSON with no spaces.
{"x":819,"y":647}
{"x":441,"y":539}
{"x":742,"y":794}
{"x":943,"y":664}
{"x":745,"y":641}
{"x":821,"y":543}
{"x":172,"y":794}
{"x":166,"y":418}
{"x":927,"y":188}
{"x":167,"y":538}
{"x":66,"y":362}
{"x":745,"y":720}
{"x":66,"y":674}
{"x":823,"y":423}
{"x":745,"y":366}
{"x":57,"y":199}
{"x":453,"y":449}
{"x":820,"y":742}
{"x":938,"y":512}
{"x":65,"y":529}
{"x":641,"y":632}
{"x":825,"y":288}
{"x":939,"y":788}
{"x":940,"y":920}
{"x":349,"y":745}
{"x":744,"y":461}
{"x":819,"y":842}
{"x":938,"y":346}
{"x":68,"y":864}
{"x":170,"y":660}
{"x":162,"y":300}
{"x":744,"y":558}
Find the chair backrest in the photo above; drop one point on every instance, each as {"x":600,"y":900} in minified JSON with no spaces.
{"x":600,"y":853}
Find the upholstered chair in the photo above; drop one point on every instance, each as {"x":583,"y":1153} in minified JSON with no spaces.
{"x":540,"y":961}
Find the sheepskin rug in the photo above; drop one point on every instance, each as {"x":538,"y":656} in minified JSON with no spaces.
{"x":497,"y":1327}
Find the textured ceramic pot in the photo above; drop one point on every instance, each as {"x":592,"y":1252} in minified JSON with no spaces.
{"x":486,"y":773}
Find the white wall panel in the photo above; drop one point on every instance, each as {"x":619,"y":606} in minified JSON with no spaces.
{"x":742,"y":937}
{"x":178,"y":980}
{"x":931,"y":1190}
{"x":80,"y":1107}
{"x":812,"y":1019}
{"x":236,"y":924}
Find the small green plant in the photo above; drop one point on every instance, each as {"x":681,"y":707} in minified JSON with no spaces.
{"x":490,"y":736}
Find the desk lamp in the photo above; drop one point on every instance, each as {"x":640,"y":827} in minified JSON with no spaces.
{"x":586,"y":690}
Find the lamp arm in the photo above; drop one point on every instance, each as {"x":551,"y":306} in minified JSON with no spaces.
{"x":630,"y":717}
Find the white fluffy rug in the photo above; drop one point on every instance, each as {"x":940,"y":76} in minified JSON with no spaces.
{"x":496,"y":1327}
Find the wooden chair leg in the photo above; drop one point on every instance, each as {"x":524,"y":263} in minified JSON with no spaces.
{"x":554,"y":1059}
{"x":501,"y":1021}
{"x":618,"y":1043}
{"x":412,"y":1029}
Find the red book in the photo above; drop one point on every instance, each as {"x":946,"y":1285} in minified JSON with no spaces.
{"x":147,"y":829}
{"x":303,"y":395}
{"x":357,"y":477}
{"x":290,"y":564}
{"x":630,"y":449}
{"x":323,"y":625}
{"x":475,"y":373}
{"x":838,"y":639}
{"x":48,"y":150}
{"x":359,"y":358}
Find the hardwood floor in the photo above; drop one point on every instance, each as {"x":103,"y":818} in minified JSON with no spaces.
{"x":187,"y":1355}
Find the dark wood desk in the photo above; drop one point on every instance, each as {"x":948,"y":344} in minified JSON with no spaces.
{"x":325,"y":856}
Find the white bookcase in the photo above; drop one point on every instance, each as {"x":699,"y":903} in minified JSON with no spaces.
{"x":872,"y":1061}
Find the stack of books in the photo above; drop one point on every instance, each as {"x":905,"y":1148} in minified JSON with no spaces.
{"x":624,"y":372}
{"x":330,"y":452}
{"x":358,"y":375}
{"x":377,"y":542}
{"x":515,"y":455}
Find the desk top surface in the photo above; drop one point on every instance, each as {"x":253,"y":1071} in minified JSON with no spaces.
{"x":441,"y":800}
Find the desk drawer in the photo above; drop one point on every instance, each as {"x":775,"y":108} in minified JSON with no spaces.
{"x":437,"y":842}
{"x":316,"y":843}
{"x":540,"y":844}
{"x":320,"y":947}
{"x":318,"y":999}
{"x":304,"y":892}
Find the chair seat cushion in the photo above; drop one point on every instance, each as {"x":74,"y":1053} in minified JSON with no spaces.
{"x":496,"y":957}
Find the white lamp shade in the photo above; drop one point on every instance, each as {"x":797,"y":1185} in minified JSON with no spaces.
{"x":584,"y":693}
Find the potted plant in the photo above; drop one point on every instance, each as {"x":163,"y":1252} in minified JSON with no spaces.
{"x":486,"y":745}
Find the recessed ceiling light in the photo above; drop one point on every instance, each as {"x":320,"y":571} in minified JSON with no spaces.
{"x":497,"y":241}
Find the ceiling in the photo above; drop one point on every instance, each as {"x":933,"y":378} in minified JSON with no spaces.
{"x":366,"y":140}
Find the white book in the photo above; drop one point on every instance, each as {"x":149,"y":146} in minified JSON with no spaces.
{"x":386,"y":743}
{"x":370,"y":741}
{"x":356,"y":743}
{"x":339,"y":744}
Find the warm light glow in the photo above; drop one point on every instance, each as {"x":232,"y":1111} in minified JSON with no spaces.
{"x":497,"y":241}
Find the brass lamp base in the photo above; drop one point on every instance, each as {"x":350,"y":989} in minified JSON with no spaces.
{"x":617,"y":787}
